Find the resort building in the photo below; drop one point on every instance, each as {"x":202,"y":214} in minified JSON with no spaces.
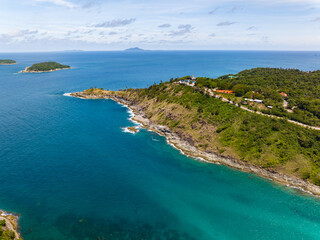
{"x":225,"y":91}
{"x":283,"y":94}
{"x":192,"y":79}
{"x":254,"y":100}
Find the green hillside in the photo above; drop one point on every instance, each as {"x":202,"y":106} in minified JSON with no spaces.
{"x":7,"y":61}
{"x":46,"y":66}
{"x":301,"y":90}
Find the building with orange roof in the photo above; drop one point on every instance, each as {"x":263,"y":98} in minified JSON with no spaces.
{"x":225,"y":91}
{"x":283,"y":94}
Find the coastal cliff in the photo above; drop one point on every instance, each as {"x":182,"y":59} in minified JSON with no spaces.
{"x":218,"y":132}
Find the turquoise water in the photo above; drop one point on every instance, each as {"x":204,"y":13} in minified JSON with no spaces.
{"x":71,"y":172}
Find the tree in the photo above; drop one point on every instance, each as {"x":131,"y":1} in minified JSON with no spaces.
{"x":240,"y":90}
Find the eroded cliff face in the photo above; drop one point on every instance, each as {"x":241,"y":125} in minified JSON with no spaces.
{"x":183,"y":122}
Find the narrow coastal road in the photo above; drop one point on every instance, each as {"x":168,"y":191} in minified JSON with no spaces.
{"x":211,"y":93}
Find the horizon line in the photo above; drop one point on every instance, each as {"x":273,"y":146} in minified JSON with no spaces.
{"x":167,"y":50}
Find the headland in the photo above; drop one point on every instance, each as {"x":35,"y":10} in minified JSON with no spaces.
{"x":207,"y":128}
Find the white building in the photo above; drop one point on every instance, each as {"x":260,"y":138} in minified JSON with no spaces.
{"x":254,"y":100}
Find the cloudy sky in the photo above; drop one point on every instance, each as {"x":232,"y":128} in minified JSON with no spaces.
{"x":55,"y":25}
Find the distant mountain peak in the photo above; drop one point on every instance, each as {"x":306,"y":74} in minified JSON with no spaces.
{"x":135,"y":49}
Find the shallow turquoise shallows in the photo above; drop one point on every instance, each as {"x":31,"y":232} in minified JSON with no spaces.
{"x":72,"y":173}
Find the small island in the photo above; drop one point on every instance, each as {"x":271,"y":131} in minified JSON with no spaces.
{"x":7,"y":62}
{"x":45,"y":67}
{"x":135,"y":49}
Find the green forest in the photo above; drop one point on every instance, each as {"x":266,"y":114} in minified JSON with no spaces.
{"x":5,"y":234}
{"x":46,"y":66}
{"x":223,"y":128}
{"x":7,"y":61}
{"x":302,"y":90}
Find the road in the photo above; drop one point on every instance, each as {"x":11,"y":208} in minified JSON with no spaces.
{"x":211,"y":93}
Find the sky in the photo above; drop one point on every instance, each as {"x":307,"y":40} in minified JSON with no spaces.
{"x":93,"y":25}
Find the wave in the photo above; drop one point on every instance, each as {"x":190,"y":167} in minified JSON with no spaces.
{"x":187,"y":155}
{"x":131,"y":116}
{"x":69,"y":95}
{"x":4,"y":214}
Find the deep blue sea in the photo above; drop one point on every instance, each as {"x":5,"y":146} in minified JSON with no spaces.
{"x":70,"y":171}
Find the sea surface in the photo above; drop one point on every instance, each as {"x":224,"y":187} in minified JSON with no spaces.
{"x":71,"y":172}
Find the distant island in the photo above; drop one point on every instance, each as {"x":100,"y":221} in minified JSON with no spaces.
{"x":259,"y":120}
{"x":135,"y":49}
{"x":7,"y":62}
{"x":45,"y":67}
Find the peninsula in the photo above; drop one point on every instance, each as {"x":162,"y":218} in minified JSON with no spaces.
{"x":9,"y":226}
{"x":202,"y":125}
{"x":45,"y":67}
{"x":7,"y":62}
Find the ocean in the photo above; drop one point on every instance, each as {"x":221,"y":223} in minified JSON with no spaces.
{"x":71,"y":171}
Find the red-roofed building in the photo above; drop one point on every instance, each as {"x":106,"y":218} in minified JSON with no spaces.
{"x":225,"y":91}
{"x":283,"y":94}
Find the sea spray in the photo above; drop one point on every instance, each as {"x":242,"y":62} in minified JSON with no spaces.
{"x":127,"y":130}
{"x":131,"y":116}
{"x":69,"y":95}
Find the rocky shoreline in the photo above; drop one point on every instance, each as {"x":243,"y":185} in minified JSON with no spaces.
{"x":11,"y":223}
{"x":186,"y":148}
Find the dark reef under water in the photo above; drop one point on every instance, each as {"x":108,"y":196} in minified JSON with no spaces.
{"x":72,"y":225}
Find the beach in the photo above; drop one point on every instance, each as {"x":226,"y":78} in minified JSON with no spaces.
{"x":53,"y":70}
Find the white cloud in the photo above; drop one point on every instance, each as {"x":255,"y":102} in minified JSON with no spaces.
{"x":165,"y":25}
{"x":252,"y":28}
{"x":17,"y":34}
{"x":227,"y":23}
{"x":63,"y":3}
{"x":115,"y":23}
{"x":91,"y":3}
{"x":183,"y":29}
{"x":161,"y":21}
{"x":214,"y":11}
